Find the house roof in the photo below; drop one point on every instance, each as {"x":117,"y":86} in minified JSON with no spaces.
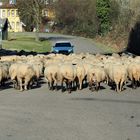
{"x":8,"y":6}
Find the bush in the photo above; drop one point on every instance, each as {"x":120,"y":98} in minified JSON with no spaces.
{"x":103,"y":14}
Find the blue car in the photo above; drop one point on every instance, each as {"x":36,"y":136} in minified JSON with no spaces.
{"x":63,"y":47}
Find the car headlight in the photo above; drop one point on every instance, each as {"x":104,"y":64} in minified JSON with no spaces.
{"x":56,"y":50}
{"x":70,"y":50}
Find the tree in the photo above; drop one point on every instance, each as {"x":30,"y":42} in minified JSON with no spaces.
{"x":77,"y":16}
{"x":30,"y":12}
{"x":4,"y":1}
{"x":86,"y":20}
{"x":103,"y":13}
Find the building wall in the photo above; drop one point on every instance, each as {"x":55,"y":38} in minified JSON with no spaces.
{"x":0,"y":13}
{"x":13,"y":18}
{"x":48,"y":13}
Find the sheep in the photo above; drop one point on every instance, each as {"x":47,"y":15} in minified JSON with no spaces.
{"x":21,"y":73}
{"x":80,"y":71}
{"x":118,"y":74}
{"x":13,"y":74}
{"x":51,"y":61}
{"x":5,"y":72}
{"x":25,"y":75}
{"x":80,"y":74}
{"x":51,"y":75}
{"x":1,"y":74}
{"x":95,"y":76}
{"x":38,"y":68}
{"x":9,"y":58}
{"x":67,"y":73}
{"x":134,"y":73}
{"x":73,"y":68}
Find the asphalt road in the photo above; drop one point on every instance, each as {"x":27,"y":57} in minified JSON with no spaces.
{"x":40,"y":114}
{"x":81,"y":44}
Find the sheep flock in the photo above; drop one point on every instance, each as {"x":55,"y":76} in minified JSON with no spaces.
{"x":68,"y":72}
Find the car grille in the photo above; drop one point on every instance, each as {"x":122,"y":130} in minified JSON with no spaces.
{"x":64,"y":52}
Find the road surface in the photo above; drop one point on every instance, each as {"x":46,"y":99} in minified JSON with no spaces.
{"x":40,"y":114}
{"x":81,"y":44}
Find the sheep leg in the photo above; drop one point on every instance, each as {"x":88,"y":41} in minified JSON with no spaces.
{"x":30,"y":84}
{"x":62,"y":88}
{"x":107,"y":80}
{"x":134,"y":83}
{"x":26,"y":83}
{"x":37,"y":82}
{"x":97,"y":86}
{"x":117,"y":87}
{"x":3,"y":82}
{"x":137,"y":83}
{"x":20,"y":84}
{"x":90,"y":85}
{"x":75,"y":83}
{"x":49,"y":85}
{"x":93,"y":86}
{"x":52,"y":85}
{"x":80,"y":84}
{"x":85,"y":81}
{"x":121,"y":85}
{"x":56,"y":86}
{"x":15,"y":83}
{"x":55,"y":82}
{"x":69,"y":86}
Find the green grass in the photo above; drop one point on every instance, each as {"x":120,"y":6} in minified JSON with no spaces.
{"x":25,"y":42}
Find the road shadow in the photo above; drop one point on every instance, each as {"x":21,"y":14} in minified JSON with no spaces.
{"x":105,"y":100}
{"x":7,"y":85}
{"x":4,"y":52}
{"x":58,"y":38}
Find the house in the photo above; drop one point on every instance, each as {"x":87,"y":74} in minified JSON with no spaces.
{"x":4,"y":28}
{"x":10,"y":11}
{"x":48,"y":14}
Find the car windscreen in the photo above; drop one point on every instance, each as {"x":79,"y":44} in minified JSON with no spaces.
{"x":62,"y":45}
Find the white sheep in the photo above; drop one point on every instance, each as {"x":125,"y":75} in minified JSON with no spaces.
{"x":67,"y":73}
{"x":25,"y":75}
{"x":51,"y":75}
{"x":118,"y":74}
{"x":95,"y":76}
{"x":21,"y":74}
{"x":134,"y":73}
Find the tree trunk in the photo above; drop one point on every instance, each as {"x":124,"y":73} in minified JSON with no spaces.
{"x":37,"y":32}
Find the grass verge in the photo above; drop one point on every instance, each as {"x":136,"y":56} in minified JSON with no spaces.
{"x":107,"y":49}
{"x":26,"y":42}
